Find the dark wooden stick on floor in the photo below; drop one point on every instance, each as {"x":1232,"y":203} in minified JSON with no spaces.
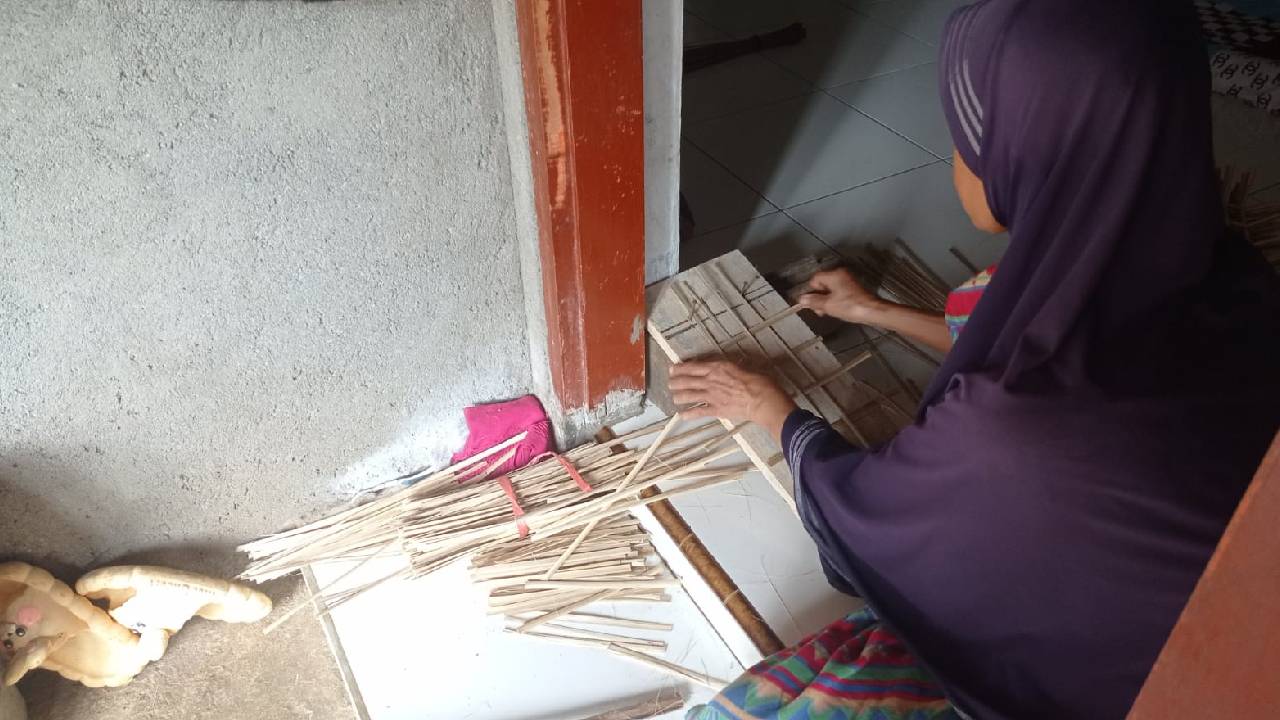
{"x":710,"y":570}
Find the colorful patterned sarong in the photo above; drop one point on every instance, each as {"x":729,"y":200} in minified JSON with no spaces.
{"x":962,"y":301}
{"x":853,"y":669}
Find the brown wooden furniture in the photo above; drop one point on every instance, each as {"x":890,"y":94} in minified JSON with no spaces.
{"x":1222,"y":661}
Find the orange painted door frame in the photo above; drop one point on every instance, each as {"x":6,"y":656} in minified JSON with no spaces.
{"x":583,"y":81}
{"x":1222,"y":660}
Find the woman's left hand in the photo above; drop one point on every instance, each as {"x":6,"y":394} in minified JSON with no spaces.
{"x":728,"y":391}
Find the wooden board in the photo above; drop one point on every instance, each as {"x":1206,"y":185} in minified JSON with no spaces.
{"x":724,"y":308}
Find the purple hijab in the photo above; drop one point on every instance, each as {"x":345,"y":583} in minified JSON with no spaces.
{"x":1035,"y":534}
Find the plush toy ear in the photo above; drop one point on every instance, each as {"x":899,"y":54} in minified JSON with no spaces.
{"x":29,"y":615}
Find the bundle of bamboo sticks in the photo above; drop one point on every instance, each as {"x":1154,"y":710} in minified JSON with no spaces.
{"x":440,"y":519}
{"x":545,"y":541}
{"x":901,"y":273}
{"x":615,"y":562}
{"x":616,"y":556}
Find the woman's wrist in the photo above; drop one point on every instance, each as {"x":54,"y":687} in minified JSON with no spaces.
{"x":773,"y":413}
{"x":871,"y":312}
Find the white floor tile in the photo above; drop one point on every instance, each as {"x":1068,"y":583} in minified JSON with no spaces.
{"x":716,"y":198}
{"x":802,"y":149}
{"x":906,"y":101}
{"x":920,"y":207}
{"x":736,"y":85}
{"x":769,"y":242}
{"x":386,"y":634}
{"x":923,"y":20}
{"x":775,"y":565}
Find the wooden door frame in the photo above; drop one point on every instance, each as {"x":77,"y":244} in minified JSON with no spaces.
{"x":1221,"y":660}
{"x":583,"y":78}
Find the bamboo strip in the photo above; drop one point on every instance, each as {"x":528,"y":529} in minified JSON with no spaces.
{"x":642,"y":711}
{"x":668,"y":667}
{"x":566,"y":609}
{"x":843,"y":369}
{"x":607,"y":637}
{"x":769,"y":321}
{"x":964,"y":260}
{"x":791,"y":354}
{"x":606,"y":584}
{"x":587,"y":642}
{"x":791,"y":387}
{"x":746,"y":447}
{"x":601,"y":571}
{"x":631,"y":476}
{"x":595,"y":619}
{"x":715,"y":479}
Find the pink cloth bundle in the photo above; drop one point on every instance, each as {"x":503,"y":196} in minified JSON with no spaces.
{"x":493,"y":423}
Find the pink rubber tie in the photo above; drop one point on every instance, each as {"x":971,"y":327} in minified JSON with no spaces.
{"x":516,"y":510}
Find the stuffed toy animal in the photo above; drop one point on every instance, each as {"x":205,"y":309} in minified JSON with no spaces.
{"x":45,"y":624}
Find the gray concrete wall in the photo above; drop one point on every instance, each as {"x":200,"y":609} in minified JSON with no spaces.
{"x":251,"y":253}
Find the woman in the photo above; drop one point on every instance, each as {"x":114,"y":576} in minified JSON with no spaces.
{"x":1026,"y":545}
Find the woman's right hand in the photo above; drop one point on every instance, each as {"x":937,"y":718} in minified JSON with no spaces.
{"x":837,"y":294}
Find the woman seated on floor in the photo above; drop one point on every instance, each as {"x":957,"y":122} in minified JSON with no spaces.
{"x":1025,"y":547}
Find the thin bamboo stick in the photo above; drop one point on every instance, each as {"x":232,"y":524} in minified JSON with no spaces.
{"x":631,"y":476}
{"x":607,"y":637}
{"x":964,"y":260}
{"x":747,"y":449}
{"x":668,"y":667}
{"x":627,"y":584}
{"x":595,"y":619}
{"x":808,"y":376}
{"x":566,"y":609}
{"x":642,"y":711}
{"x":769,"y":321}
{"x":843,"y":369}
{"x":586,"y":642}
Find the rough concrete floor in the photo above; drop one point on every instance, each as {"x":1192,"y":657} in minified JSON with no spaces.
{"x":212,"y":670}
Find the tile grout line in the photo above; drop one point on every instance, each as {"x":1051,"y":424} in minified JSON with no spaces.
{"x":864,"y":16}
{"x":931,"y":163}
{"x":760,"y":106}
{"x":733,"y":175}
{"x":815,"y":89}
{"x":811,"y":89}
{"x":814,"y":86}
{"x":935,"y":43}
{"x":883,"y":125}
{"x":735,"y":223}
{"x":882,"y":74}
{"x":936,"y":159}
{"x":777,"y":208}
{"x":814,"y":235}
{"x":354,"y":695}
